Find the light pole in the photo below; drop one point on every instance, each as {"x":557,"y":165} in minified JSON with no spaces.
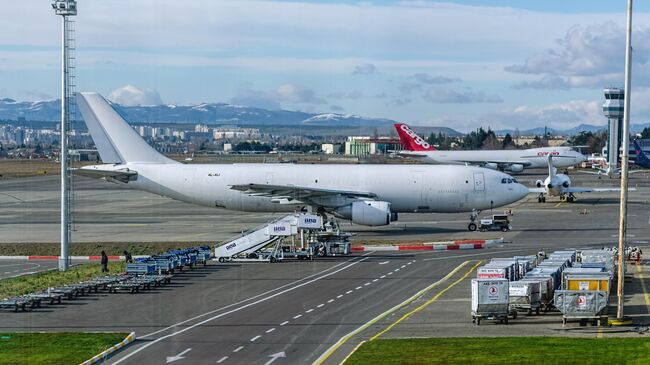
{"x":65,"y":8}
{"x":622,"y":227}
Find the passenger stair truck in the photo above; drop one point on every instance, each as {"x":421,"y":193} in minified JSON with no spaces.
{"x":248,"y":247}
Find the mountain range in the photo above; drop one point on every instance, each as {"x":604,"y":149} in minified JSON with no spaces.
{"x":208,"y":113}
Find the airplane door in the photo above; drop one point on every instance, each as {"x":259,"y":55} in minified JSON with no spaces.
{"x":479,"y":181}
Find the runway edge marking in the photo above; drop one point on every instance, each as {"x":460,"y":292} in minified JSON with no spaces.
{"x":348,"y":336}
{"x":147,"y":345}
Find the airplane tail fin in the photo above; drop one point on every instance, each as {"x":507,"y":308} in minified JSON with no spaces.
{"x":551,"y":169}
{"x":115,"y":140}
{"x":641,"y":158}
{"x":410,"y":140}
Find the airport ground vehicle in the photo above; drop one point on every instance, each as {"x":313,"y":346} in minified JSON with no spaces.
{"x":498,"y":222}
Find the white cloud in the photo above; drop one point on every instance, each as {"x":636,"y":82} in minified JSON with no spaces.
{"x":130,"y":95}
{"x":256,"y":99}
{"x":285,"y":95}
{"x":365,"y":69}
{"x":591,"y":56}
{"x":438,"y":95}
{"x":429,"y":79}
{"x":297,"y":94}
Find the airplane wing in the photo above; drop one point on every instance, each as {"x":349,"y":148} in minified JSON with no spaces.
{"x":537,"y":190}
{"x":105,"y":172}
{"x":501,"y":162}
{"x":291,"y":194}
{"x":593,"y":190}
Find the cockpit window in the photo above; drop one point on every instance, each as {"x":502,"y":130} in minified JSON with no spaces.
{"x":515,"y":180}
{"x":509,"y":181}
{"x":504,"y":181}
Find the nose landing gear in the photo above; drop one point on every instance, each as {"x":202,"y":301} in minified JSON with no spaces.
{"x":541,"y":198}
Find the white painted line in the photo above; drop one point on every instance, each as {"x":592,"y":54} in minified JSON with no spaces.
{"x":410,"y":262}
{"x":255,"y":338}
{"x":339,"y":296}
{"x":309,"y":310}
{"x":320,"y":305}
{"x":348,"y":292}
{"x":403,"y":266}
{"x":283,"y":323}
{"x":366,"y":284}
{"x":357,"y":288}
{"x":316,"y":276}
{"x":390,"y":273}
{"x":396,"y":270}
{"x":270,"y":330}
{"x":374,"y":280}
{"x":311,"y":278}
{"x":297,"y":316}
{"x":383,"y":276}
{"x":330,"y":301}
{"x":222,"y":359}
{"x":383,"y":263}
{"x":238,"y":349}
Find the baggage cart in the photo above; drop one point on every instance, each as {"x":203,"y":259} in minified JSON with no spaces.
{"x":546,"y":290}
{"x":581,"y":304}
{"x":525,"y":295}
{"x":588,"y":282}
{"x":490,"y":300}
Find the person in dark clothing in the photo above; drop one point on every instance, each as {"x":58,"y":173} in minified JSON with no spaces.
{"x":104,"y":261}
{"x":127,"y":257}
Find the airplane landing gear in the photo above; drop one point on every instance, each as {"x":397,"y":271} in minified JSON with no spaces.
{"x":472,"y":220}
{"x":541,"y":198}
{"x":571,"y":198}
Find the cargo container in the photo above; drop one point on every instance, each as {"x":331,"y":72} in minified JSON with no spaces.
{"x":570,"y":254}
{"x":526,"y":295}
{"x":496,"y":271}
{"x":546,"y":290}
{"x":587,"y":282}
{"x":490,"y":300}
{"x":581,"y":304}
{"x":577,"y":271}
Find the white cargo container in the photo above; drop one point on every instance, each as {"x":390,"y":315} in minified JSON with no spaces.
{"x":525,"y":295}
{"x":496,"y":270}
{"x":490,"y":300}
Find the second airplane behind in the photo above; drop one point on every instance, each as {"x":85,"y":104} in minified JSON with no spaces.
{"x":508,"y":160}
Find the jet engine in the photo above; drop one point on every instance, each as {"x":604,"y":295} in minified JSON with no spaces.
{"x":516,"y":167}
{"x":491,"y":165}
{"x":539,"y":183}
{"x":367,"y":213}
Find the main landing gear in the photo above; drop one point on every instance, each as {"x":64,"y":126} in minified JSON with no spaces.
{"x":541,"y":198}
{"x":472,"y":220}
{"x":570,"y":198}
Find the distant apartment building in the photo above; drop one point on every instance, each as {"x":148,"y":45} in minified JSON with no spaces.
{"x":236,"y":133}
{"x":330,"y":148}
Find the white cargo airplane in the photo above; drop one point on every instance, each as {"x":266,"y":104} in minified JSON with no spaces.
{"x":560,"y":185}
{"x":365,"y":194}
{"x":510,"y":160}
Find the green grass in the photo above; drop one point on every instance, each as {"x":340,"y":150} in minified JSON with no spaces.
{"x":41,"y":281}
{"x":504,"y":350}
{"x":54,"y":348}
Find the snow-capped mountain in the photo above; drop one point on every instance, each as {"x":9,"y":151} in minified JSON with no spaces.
{"x":208,"y":113}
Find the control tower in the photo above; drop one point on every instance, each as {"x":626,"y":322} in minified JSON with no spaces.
{"x":613,"y":109}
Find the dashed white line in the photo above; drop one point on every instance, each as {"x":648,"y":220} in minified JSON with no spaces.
{"x":366,"y":284}
{"x":396,"y":270}
{"x":270,"y":330}
{"x":383,"y":276}
{"x":390,"y":273}
{"x":309,"y":310}
{"x":339,"y":296}
{"x":283,"y":323}
{"x":348,"y":292}
{"x":403,"y":266}
{"x":410,"y":262}
{"x":357,"y":288}
{"x":238,"y":349}
{"x":222,"y":359}
{"x":374,"y":280}
{"x":255,"y":338}
{"x":320,"y":305}
{"x":330,"y":301}
{"x":297,"y":316}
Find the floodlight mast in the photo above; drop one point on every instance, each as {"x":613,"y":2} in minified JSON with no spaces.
{"x":65,"y":8}
{"x":622,"y":228}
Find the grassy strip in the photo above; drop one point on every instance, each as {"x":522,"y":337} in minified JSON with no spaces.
{"x":41,"y":281}
{"x":54,"y":348}
{"x":504,"y":350}
{"x":90,"y":249}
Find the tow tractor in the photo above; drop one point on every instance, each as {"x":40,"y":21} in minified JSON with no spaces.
{"x":498,"y":222}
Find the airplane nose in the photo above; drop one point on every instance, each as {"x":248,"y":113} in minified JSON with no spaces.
{"x":521,"y":191}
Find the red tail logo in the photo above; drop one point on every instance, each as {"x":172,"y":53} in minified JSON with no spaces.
{"x":410,"y":140}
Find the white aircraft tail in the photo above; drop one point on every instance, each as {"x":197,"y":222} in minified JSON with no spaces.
{"x":115,"y":140}
{"x":551,"y":169}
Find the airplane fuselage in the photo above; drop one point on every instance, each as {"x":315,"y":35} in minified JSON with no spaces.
{"x":534,"y":157}
{"x":409,"y":188}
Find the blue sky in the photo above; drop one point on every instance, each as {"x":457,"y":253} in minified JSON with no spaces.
{"x":461,"y":64}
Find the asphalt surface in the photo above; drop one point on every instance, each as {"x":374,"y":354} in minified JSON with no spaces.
{"x":14,"y":268}
{"x":256,"y":313}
